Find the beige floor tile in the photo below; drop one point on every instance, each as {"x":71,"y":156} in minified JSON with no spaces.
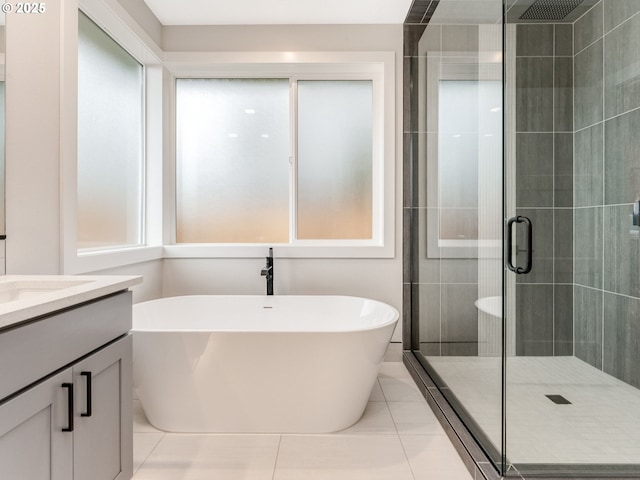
{"x":400,"y":390}
{"x":376,"y":420}
{"x":143,"y":445}
{"x":207,"y":457}
{"x":433,"y":457}
{"x":376,"y":393}
{"x":393,"y":369}
{"x":415,"y":418}
{"x":342,"y":457}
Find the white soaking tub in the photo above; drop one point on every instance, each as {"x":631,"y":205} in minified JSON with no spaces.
{"x":258,"y":364}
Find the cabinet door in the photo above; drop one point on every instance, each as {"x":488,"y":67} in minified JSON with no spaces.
{"x":103,"y":444}
{"x":33,"y":445}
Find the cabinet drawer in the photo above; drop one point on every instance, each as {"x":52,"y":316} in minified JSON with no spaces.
{"x":32,"y":351}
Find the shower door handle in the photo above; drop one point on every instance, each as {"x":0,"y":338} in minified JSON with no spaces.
{"x":528,"y":249}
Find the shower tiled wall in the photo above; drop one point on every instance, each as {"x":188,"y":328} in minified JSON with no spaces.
{"x":544,"y":186}
{"x":607,"y":182}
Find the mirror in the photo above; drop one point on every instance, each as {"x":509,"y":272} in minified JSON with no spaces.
{"x":2,"y":125}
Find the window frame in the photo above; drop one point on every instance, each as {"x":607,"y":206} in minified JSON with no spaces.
{"x":377,"y":67}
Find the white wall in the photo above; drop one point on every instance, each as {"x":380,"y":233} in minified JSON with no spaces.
{"x":284,"y":38}
{"x":33,"y":78}
{"x":144,"y":17}
{"x":364,"y":278}
{"x":151,"y":272}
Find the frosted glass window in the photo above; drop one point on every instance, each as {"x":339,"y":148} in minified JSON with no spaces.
{"x":110,"y":141}
{"x":233,"y":148}
{"x":334,"y":160}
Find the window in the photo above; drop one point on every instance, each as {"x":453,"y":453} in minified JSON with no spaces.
{"x":110,"y":142}
{"x":233,"y":160}
{"x":274,"y":160}
{"x":334,"y":160}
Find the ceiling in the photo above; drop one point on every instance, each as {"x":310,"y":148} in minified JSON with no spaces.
{"x":476,"y":12}
{"x":278,"y":12}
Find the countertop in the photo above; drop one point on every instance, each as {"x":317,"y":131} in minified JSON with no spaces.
{"x":37,"y":295}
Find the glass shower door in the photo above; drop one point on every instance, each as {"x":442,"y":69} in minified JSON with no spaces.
{"x":572,"y":398}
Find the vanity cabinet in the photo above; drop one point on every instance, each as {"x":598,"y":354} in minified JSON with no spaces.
{"x":103,"y":426}
{"x":32,"y":443}
{"x":76,"y":422}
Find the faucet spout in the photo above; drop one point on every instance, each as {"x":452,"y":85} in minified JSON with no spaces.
{"x":267,"y":272}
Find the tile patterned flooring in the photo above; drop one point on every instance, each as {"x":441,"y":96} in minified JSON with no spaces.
{"x":600,"y":426}
{"x":397,"y":438}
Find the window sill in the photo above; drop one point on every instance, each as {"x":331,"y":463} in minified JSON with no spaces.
{"x":341,"y":249}
{"x":91,"y":261}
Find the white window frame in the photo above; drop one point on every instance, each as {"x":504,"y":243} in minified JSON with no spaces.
{"x":111,"y":18}
{"x":375,"y":66}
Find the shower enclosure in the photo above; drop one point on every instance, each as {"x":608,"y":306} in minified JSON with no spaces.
{"x":522,"y":244}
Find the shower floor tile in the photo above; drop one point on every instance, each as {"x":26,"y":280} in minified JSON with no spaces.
{"x":599,"y":426}
{"x":397,"y":438}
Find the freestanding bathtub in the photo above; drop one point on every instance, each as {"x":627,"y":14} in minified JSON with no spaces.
{"x":258,"y":364}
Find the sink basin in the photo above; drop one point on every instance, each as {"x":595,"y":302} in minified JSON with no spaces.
{"x":25,"y":289}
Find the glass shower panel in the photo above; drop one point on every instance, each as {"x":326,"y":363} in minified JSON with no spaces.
{"x":457,"y":289}
{"x":533,"y":339}
{"x":572,"y":109}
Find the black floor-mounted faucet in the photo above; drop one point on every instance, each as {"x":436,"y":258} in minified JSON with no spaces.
{"x":267,"y":271}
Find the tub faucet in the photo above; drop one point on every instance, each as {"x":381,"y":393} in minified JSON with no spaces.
{"x":267,"y":271}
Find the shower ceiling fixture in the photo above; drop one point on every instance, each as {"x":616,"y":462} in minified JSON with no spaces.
{"x":558,"y":11}
{"x":279,"y":12}
{"x":550,"y":9}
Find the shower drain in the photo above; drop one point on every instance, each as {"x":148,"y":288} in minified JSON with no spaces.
{"x":558,"y":399}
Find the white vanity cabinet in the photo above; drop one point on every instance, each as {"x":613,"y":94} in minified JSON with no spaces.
{"x":74,"y":422}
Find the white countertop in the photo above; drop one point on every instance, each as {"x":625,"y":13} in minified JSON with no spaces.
{"x":23,"y":297}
